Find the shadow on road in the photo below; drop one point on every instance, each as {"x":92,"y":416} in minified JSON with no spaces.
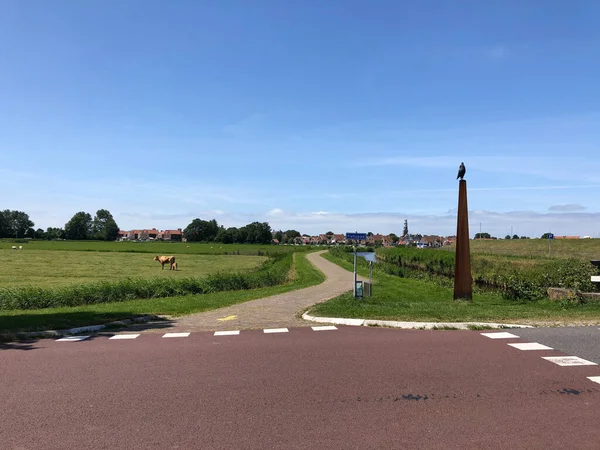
{"x":20,"y":345}
{"x":20,"y":331}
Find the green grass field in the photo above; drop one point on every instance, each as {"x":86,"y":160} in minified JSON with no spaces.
{"x":157,"y":248}
{"x":583,"y":249}
{"x":61,"y":318}
{"x":52,"y":268}
{"x":406,"y":299}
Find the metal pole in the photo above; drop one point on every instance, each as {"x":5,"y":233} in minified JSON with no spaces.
{"x":354,"y":287}
{"x":370,"y":278}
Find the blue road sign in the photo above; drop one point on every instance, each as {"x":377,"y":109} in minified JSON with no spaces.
{"x":356,"y":236}
{"x":550,"y":236}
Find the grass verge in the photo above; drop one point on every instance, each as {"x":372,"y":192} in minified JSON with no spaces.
{"x":405,"y":299}
{"x":13,"y":321}
{"x":54,"y":268}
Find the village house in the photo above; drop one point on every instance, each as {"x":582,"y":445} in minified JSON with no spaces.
{"x":172,"y":235}
{"x":151,"y":235}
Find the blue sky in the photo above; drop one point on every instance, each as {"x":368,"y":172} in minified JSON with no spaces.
{"x":317,"y":116}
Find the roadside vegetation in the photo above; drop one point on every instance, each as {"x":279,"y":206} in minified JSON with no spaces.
{"x":430,"y":298}
{"x":283,"y":274}
{"x":515,"y":277}
{"x":581,"y":249}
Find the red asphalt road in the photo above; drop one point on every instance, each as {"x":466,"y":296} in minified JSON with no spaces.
{"x":350,"y":388}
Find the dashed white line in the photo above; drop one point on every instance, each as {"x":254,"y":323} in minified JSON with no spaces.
{"x":227,"y":333}
{"x":72,"y":339}
{"x":530,"y":346}
{"x":276,"y":330}
{"x":500,"y":335}
{"x":324,"y":328}
{"x":124,"y":336}
{"x":594,"y":379}
{"x":175,"y":335}
{"x":569,"y":361}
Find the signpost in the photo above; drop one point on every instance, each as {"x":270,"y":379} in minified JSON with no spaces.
{"x":550,"y":238}
{"x":356,"y":237}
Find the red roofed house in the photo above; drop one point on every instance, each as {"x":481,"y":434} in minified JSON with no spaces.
{"x":172,"y":235}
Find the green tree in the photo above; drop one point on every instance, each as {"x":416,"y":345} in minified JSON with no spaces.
{"x":278,"y":235}
{"x":507,"y":236}
{"x":290,"y":235}
{"x":226,"y":236}
{"x":257,"y":233}
{"x":515,"y":236}
{"x":79,"y":227}
{"x":14,"y":223}
{"x":201,"y":230}
{"x":394,"y":238}
{"x":104,"y":227}
{"x":545,"y":236}
{"x":241,"y":235}
{"x":329,"y":234}
{"x":55,"y":233}
{"x":40,"y":234}
{"x":483,"y":236}
{"x":5,"y":227}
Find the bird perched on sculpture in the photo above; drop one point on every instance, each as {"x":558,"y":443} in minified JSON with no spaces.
{"x":461,"y":171}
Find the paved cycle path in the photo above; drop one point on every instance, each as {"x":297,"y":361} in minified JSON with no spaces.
{"x":272,"y":312}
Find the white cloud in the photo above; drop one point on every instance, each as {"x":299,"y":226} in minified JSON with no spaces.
{"x":275,"y":212}
{"x":567,"y":208}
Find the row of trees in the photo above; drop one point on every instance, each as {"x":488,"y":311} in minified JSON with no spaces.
{"x":82,"y":227}
{"x":210,"y":231}
{"x":515,"y":236}
{"x":16,"y":224}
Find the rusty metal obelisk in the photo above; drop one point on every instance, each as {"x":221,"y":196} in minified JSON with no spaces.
{"x":463,"y":280}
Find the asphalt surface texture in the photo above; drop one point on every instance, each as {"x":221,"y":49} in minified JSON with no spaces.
{"x":351,"y":387}
{"x":581,"y":341}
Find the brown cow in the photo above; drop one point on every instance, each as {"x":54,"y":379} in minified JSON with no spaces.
{"x":164,"y":260}
{"x":174,"y":266}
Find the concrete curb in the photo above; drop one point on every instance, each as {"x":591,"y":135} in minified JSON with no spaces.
{"x":73,"y":331}
{"x":409,"y":325}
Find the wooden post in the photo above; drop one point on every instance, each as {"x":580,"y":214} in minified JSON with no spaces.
{"x":463,"y":280}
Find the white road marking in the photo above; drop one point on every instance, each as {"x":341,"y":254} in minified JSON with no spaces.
{"x":530,"y":346}
{"x":324,"y":328}
{"x":594,"y":379}
{"x":72,"y":339}
{"x":124,"y":336}
{"x":175,"y":335}
{"x":227,"y":333}
{"x":499,"y":335}
{"x":569,"y":361}
{"x":276,"y":330}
